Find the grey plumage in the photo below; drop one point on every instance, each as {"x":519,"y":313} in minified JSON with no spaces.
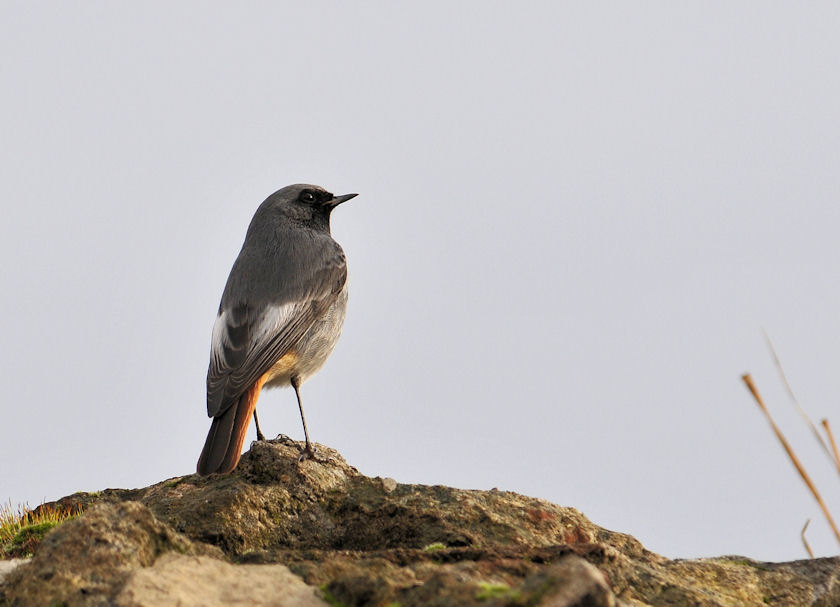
{"x":281,"y":310}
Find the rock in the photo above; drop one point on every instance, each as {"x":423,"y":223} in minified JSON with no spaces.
{"x":355,"y":540}
{"x":572,"y":582}
{"x":7,"y":566}
{"x":389,"y":484}
{"x":177,"y":580}
{"x":84,"y":560}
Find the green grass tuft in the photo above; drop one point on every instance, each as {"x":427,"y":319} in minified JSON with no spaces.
{"x":22,"y":529}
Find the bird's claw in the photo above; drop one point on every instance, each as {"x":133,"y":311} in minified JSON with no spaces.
{"x":308,"y":452}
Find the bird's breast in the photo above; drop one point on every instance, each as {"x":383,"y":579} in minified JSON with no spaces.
{"x":310,"y":353}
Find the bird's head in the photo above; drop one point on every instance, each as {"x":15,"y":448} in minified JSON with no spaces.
{"x":305,"y":204}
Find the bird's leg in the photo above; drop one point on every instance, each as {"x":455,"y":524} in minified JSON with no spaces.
{"x":308,"y":451}
{"x":260,"y":435}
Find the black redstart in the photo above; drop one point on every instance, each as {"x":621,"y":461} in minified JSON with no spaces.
{"x":280,"y":316}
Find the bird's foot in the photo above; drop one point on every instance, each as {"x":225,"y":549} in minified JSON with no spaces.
{"x":309,"y":452}
{"x":285,"y":439}
{"x":260,"y":435}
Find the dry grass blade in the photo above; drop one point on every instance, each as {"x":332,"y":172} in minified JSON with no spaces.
{"x":830,"y":435}
{"x":793,"y":458}
{"x":804,"y":541}
{"x":781,"y":371}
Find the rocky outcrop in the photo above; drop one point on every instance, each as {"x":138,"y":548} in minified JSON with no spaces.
{"x":282,"y":532}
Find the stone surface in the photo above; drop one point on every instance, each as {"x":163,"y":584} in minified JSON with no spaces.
{"x":85,"y":560}
{"x":177,"y":580}
{"x":355,"y":540}
{"x":7,"y":566}
{"x":572,"y":582}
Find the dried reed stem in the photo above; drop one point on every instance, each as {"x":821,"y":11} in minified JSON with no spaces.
{"x":804,"y":541}
{"x":799,"y":468}
{"x":781,"y":371}
{"x":833,"y":444}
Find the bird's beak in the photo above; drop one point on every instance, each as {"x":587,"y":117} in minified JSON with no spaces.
{"x":337,"y":200}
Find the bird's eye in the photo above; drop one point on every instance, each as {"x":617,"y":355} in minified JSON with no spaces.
{"x":307,"y":196}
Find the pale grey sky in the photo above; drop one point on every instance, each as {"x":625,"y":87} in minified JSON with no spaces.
{"x":573,"y":221}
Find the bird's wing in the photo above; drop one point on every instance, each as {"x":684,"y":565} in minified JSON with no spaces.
{"x":250,"y":336}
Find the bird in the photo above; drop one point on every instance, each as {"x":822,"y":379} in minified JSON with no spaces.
{"x":280,"y":316}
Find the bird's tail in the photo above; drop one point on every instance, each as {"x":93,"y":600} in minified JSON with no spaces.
{"x":223,"y":446}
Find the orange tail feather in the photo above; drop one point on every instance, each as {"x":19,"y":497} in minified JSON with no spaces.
{"x":223,"y":446}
